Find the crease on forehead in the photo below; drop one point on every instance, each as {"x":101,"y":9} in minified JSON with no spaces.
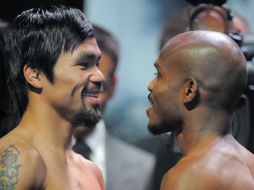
{"x":199,"y":47}
{"x":88,"y":47}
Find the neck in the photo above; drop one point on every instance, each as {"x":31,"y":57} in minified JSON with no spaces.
{"x":42,"y":122}
{"x":201,"y":128}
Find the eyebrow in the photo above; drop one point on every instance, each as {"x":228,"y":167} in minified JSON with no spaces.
{"x":89,"y":56}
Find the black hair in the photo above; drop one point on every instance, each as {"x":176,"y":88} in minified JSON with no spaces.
{"x":8,"y":117}
{"x":36,"y":38}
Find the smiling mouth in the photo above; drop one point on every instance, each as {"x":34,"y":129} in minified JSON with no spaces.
{"x":91,"y":94}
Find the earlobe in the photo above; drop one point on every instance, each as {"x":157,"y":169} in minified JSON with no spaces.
{"x":190,"y":92}
{"x":32,"y":76}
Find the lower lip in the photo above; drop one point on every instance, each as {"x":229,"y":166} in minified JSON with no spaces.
{"x":147,"y":111}
{"x":93,"y":100}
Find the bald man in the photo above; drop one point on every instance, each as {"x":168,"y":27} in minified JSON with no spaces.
{"x":200,"y":77}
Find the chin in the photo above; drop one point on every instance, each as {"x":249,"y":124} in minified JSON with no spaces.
{"x":160,"y":128}
{"x":88,"y":118}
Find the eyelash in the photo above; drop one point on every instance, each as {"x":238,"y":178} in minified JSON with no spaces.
{"x":83,"y":66}
{"x":86,"y":65}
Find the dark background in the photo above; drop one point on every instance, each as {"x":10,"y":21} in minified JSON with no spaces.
{"x":11,"y":8}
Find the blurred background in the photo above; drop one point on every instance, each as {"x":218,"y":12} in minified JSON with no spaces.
{"x":137,"y":25}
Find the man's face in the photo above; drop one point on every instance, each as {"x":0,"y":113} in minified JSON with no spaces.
{"x":107,"y":67}
{"x":77,"y":85}
{"x":164,"y":114}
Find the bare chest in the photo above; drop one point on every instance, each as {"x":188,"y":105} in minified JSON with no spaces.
{"x":72,"y":178}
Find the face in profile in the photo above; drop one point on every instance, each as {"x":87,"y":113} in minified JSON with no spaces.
{"x":107,"y":67}
{"x":77,"y":84}
{"x":164,"y":113}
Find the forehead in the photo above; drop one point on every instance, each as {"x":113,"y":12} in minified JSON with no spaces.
{"x":87,"y":49}
{"x":168,"y":57}
{"x":88,"y":46}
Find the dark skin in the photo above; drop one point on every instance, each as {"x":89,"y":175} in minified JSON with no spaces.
{"x":201,"y":76}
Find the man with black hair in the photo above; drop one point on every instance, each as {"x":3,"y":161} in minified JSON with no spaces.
{"x":51,"y":65}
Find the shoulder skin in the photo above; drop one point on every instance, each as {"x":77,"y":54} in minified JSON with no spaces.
{"x":21,"y":166}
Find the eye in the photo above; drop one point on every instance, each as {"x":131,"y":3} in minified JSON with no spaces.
{"x":83,"y":65}
{"x":98,"y":64}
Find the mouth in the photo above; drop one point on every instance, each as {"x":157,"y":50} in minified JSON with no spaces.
{"x":92,"y":96}
{"x":147,"y":112}
{"x":150,"y":99}
{"x":151,"y":103}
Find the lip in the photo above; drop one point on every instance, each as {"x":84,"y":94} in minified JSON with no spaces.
{"x":149,"y":97}
{"x":148,"y":110}
{"x":92,"y":96}
{"x":94,"y":100}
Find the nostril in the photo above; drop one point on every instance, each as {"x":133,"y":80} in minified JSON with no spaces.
{"x":151,"y":85}
{"x":97,"y":76}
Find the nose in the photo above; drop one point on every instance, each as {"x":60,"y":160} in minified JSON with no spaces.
{"x":151,"y":85}
{"x":97,"y":76}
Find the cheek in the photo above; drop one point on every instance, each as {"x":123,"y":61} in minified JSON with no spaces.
{"x":166,"y":101}
{"x":161,"y":96}
{"x":103,"y":97}
{"x":160,"y":102}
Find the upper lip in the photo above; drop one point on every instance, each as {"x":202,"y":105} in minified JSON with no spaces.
{"x":94,"y":92}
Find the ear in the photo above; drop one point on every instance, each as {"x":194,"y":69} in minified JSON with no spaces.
{"x":32,"y":76}
{"x":190,"y":92}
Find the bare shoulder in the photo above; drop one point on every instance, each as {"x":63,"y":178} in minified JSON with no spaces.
{"x":191,"y":175}
{"x":215,"y":169}
{"x":90,"y":168}
{"x":88,"y":164}
{"x":21,"y":165}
